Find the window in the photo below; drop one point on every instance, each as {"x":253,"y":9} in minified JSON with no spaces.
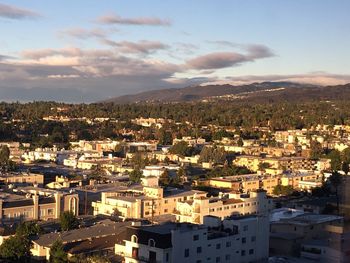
{"x":244,"y":240}
{"x":217,"y":259}
{"x":50,"y":211}
{"x":243,"y":253}
{"x":165,"y":210}
{"x":227,"y":257}
{"x":218,"y":246}
{"x":167,"y":257}
{"x":165,"y":201}
{"x":151,"y":243}
{"x":251,"y":251}
{"x":199,"y":261}
{"x":199,"y":250}
{"x":134,"y":239}
{"x":42,"y":212}
{"x":195,"y":237}
{"x":245,"y":228}
{"x":187,"y":253}
{"x":228,"y":244}
{"x":253,"y":238}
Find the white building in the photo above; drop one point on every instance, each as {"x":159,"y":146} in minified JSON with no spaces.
{"x":240,"y":239}
{"x":194,"y":210}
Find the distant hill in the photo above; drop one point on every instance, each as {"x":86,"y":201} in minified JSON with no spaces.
{"x":255,"y":92}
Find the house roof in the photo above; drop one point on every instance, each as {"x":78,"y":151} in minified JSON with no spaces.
{"x":102,"y":229}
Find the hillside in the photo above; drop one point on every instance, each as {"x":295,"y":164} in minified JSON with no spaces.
{"x":256,"y":92}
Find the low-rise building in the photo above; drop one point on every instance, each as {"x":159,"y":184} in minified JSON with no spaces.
{"x":33,"y":204}
{"x":99,"y":239}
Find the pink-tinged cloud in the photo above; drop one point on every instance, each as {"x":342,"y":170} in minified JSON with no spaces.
{"x":13,"y":12}
{"x":83,"y":33}
{"x":146,"y":21}
{"x":216,"y":60}
{"x":143,"y":46}
{"x":219,"y":60}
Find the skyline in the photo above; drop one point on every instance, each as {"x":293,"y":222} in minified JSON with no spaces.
{"x":91,"y":51}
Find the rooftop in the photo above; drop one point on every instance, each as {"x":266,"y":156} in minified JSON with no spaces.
{"x":102,"y":229}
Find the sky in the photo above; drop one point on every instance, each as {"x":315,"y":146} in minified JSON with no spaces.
{"x":90,"y":50}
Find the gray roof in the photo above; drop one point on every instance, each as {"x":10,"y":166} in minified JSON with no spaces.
{"x":102,"y":229}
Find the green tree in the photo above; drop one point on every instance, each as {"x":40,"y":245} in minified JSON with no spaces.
{"x":345,"y":167}
{"x":336,"y":162}
{"x":316,"y":150}
{"x":4,"y":157}
{"x":16,"y":249}
{"x":57,"y":253}
{"x":179,"y":148}
{"x":68,"y":221}
{"x":264,"y":166}
{"x":283,"y":190}
{"x":240,"y":142}
{"x":135,"y":176}
{"x":164,"y":179}
{"x":164,"y":137}
{"x":28,"y":229}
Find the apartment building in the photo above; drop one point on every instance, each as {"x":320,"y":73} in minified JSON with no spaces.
{"x":244,"y":183}
{"x":144,"y":203}
{"x":195,"y":210}
{"x":284,"y":163}
{"x":301,"y":180}
{"x":241,"y":239}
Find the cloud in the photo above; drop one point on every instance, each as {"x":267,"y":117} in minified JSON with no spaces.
{"x":218,"y":60}
{"x":82,"y":33}
{"x":112,"y":19}
{"x":143,"y":46}
{"x":5,"y":57}
{"x":258,"y":51}
{"x":316,"y":78}
{"x":12,"y":12}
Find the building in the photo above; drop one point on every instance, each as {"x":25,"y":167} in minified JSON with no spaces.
{"x":241,"y":239}
{"x":195,"y":210}
{"x":286,"y":235}
{"x":334,"y":248}
{"x":146,"y":202}
{"x":99,"y":239}
{"x":34,"y":204}
{"x":22,"y":178}
{"x":244,"y":183}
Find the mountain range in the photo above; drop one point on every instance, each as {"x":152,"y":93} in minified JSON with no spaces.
{"x":255,"y":92}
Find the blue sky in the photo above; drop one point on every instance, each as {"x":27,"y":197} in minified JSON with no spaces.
{"x":90,"y":50}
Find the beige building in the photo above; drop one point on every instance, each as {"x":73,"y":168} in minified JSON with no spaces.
{"x":296,"y":180}
{"x":193,"y":211}
{"x":29,"y":178}
{"x":282,"y":163}
{"x":34,"y":205}
{"x":144,"y":203}
{"x":245,"y":183}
